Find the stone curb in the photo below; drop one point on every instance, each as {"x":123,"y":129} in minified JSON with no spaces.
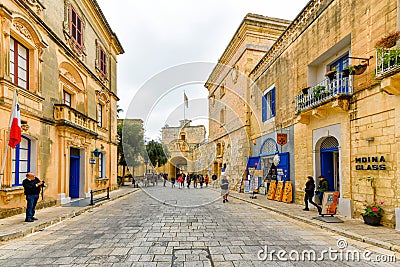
{"x":51,"y":221}
{"x":346,"y":233}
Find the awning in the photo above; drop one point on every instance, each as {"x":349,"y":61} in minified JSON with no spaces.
{"x":254,"y":162}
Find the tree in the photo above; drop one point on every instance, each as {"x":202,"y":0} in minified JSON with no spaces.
{"x":131,"y":147}
{"x":157,"y":153}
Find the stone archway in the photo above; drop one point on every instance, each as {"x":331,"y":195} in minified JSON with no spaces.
{"x":176,"y":165}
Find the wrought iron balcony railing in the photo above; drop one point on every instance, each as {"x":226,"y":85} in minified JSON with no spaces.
{"x":387,"y":62}
{"x":324,"y":91}
{"x":66,"y":116}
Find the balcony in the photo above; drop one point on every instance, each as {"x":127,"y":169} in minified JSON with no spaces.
{"x":388,"y":62}
{"x":64,"y":115}
{"x":388,"y":70}
{"x":325,"y":91}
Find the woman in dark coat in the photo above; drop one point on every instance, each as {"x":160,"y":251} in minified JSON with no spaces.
{"x":310,"y":188}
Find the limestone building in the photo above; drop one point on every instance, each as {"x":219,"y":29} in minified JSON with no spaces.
{"x":229,"y":96}
{"x":336,"y":96}
{"x":61,"y":56}
{"x":181,"y":143}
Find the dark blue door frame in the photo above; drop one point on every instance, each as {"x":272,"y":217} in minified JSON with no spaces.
{"x":74,"y":178}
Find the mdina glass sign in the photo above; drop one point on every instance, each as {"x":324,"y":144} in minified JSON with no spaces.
{"x":371,"y":163}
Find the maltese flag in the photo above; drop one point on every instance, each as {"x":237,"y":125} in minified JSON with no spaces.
{"x":15,"y":123}
{"x":186,"y":100}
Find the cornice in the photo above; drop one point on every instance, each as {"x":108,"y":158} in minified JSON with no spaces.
{"x":114,"y":37}
{"x":249,"y":25}
{"x":309,"y":13}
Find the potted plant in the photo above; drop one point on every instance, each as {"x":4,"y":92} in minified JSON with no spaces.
{"x":347,"y":71}
{"x":359,"y":69}
{"x":319,"y":90}
{"x":331,"y":74}
{"x":373,"y":213}
{"x":304,"y":90}
{"x":388,"y":41}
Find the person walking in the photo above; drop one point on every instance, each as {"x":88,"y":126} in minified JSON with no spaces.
{"x":323,"y":186}
{"x":224,"y":184}
{"x":206,"y":180}
{"x":165,"y":176}
{"x":179,"y":181}
{"x":310,"y":188}
{"x":195,"y":177}
{"x":32,"y":186}
{"x":201,"y":180}
{"x":172,"y":182}
{"x":188,"y":178}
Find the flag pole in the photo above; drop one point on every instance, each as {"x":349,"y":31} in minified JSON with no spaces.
{"x":184,"y":106}
{"x":3,"y":165}
{"x":4,"y":162}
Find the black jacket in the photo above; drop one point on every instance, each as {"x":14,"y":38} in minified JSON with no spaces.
{"x":310,"y":187}
{"x":30,"y":187}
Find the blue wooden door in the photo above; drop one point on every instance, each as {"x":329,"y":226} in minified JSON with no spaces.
{"x":284,"y":166}
{"x":327,"y":169}
{"x":74,"y":177}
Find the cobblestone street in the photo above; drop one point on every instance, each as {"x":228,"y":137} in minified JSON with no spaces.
{"x":164,"y":226}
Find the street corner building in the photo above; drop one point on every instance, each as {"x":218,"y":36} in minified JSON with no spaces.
{"x":229,"y":96}
{"x":323,"y":99}
{"x":61,"y":56}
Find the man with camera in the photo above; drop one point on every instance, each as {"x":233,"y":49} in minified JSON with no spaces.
{"x":32,"y":186}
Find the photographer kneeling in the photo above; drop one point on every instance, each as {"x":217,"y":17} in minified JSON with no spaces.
{"x":32,"y":186}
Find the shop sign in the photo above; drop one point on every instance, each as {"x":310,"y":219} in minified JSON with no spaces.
{"x":281,"y":138}
{"x":370,"y":163}
{"x":329,"y":203}
{"x":246,"y":186}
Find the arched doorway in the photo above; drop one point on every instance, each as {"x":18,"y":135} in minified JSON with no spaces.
{"x":329,"y":162}
{"x":177,"y":165}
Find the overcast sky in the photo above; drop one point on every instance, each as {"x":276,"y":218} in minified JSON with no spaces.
{"x":158,"y":35}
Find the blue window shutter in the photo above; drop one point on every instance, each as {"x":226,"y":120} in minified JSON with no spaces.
{"x":273,"y":102}
{"x":264,"y":108}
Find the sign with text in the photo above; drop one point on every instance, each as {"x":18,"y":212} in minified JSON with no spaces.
{"x":329,"y":203}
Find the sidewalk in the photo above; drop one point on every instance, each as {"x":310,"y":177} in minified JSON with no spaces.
{"x":380,"y":236}
{"x":15,"y":227}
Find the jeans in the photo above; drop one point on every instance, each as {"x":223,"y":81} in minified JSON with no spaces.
{"x":31,"y":205}
{"x":309,"y":198}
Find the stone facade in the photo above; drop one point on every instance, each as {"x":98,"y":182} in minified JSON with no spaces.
{"x":344,"y":128}
{"x":68,"y":106}
{"x":229,"y":96}
{"x":181,"y":143}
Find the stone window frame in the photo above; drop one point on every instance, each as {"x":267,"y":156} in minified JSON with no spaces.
{"x":101,"y":65}
{"x":222,"y":116}
{"x":100,"y":113}
{"x":26,"y":35}
{"x":268,"y":104}
{"x":78,"y":49}
{"x":222,"y":91}
{"x":66,"y":92}
{"x":104,"y":101}
{"x":16,"y":59}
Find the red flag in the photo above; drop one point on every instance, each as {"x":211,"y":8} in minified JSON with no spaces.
{"x":15,"y":123}
{"x":186,"y":100}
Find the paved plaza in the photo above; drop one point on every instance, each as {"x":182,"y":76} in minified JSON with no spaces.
{"x":164,"y":226}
